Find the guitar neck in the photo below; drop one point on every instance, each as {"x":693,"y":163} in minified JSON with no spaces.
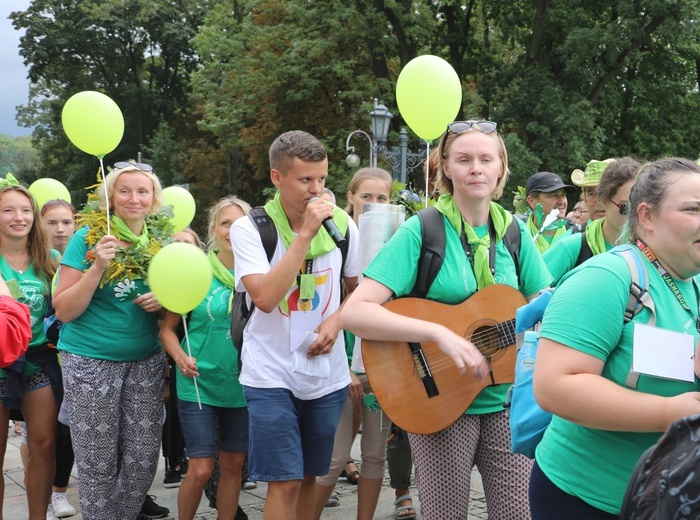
{"x":491,"y":339}
{"x":506,"y":332}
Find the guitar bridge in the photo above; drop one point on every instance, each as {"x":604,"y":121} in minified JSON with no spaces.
{"x":423,"y":370}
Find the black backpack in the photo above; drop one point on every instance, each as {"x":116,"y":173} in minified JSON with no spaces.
{"x":432,"y":251}
{"x":240,"y":313}
{"x":665,"y":483}
{"x":585,"y":253}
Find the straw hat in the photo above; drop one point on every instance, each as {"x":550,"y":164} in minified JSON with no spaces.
{"x":591,"y":177}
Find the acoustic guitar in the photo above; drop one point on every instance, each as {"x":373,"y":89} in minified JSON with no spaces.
{"x":417,"y":385}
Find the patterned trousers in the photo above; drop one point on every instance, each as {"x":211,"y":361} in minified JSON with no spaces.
{"x":444,"y":462}
{"x":116,"y":416}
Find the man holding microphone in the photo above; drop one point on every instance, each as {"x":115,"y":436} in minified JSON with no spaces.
{"x":295,"y":372}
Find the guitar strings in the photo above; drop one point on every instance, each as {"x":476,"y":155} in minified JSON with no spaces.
{"x":489,"y":336}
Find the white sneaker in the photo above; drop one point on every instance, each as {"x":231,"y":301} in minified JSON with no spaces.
{"x":49,"y":513}
{"x":61,"y":506}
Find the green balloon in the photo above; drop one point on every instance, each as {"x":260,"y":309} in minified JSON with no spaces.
{"x":183,"y":206}
{"x":180,"y":276}
{"x":93,"y":122}
{"x":429,"y":95}
{"x":47,"y":189}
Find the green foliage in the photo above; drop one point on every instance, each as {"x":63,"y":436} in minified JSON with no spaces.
{"x":206,"y":85}
{"x":17,"y":156}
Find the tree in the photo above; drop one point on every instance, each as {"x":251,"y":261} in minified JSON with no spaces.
{"x":136,"y":52}
{"x":17,"y":157}
{"x":206,"y":86}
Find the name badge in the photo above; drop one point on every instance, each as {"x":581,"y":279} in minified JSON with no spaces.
{"x":307,"y":287}
{"x":663,"y":353}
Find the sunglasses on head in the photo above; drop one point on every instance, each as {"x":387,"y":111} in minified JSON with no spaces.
{"x":458,"y":127}
{"x":126,"y":164}
{"x":487,"y":127}
{"x":622,"y":207}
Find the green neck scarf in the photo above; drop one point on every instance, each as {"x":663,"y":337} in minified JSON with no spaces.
{"x":124,"y":233}
{"x":594,"y":236}
{"x":500,"y":219}
{"x":540,"y":217}
{"x":321,"y":244}
{"x":541,"y":242}
{"x":222,"y":273}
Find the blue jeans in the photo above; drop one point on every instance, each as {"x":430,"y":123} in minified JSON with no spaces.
{"x":291,"y":437}
{"x":199,"y":428}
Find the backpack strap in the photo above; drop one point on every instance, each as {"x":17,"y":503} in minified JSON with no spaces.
{"x":585,"y":253}
{"x":432,"y":251}
{"x":344,"y":252}
{"x":266,"y":228}
{"x":512,"y":242}
{"x":639,"y":296}
{"x":268,"y":235}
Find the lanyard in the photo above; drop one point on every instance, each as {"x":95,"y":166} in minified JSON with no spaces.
{"x":649,"y":254}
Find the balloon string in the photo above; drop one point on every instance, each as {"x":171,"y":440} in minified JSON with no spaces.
{"x":104,"y":185}
{"x":427,"y":171}
{"x":189,"y":353}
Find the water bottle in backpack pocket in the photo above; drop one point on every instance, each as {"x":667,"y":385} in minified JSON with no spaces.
{"x":527,"y":420}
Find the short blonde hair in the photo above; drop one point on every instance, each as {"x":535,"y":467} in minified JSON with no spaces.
{"x":438,"y":157}
{"x":114,"y":175}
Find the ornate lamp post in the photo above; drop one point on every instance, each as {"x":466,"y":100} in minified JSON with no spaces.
{"x":353,"y":160}
{"x":400,"y":157}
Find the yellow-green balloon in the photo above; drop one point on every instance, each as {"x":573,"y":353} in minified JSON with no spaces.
{"x":183,"y":206}
{"x":47,"y":189}
{"x":180,"y":276}
{"x":429,"y":94}
{"x":93,"y":122}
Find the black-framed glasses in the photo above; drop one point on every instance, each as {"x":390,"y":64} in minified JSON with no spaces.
{"x":622,"y":207}
{"x":126,"y":164}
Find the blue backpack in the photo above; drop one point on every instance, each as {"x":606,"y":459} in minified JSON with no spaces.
{"x":528,"y":421}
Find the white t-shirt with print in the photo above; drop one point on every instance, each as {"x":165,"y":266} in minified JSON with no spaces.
{"x":266,"y":356}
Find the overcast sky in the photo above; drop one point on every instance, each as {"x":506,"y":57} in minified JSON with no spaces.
{"x":14,"y":86}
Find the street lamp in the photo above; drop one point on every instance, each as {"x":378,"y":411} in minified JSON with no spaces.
{"x":400,"y":157}
{"x":353,"y":160}
{"x":380,"y":119}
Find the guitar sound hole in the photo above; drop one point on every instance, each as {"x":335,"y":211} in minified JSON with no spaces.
{"x":488,"y":341}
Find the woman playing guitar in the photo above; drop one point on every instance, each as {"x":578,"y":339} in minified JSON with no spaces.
{"x":471,"y":169}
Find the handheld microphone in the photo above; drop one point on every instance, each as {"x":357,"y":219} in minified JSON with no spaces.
{"x":332,"y":229}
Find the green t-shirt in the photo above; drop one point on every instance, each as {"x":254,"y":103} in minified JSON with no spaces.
{"x":208,"y":327}
{"x":35,"y":295}
{"x":112,"y":327}
{"x":396,"y":267}
{"x":598,"y":463}
{"x":561,"y":257}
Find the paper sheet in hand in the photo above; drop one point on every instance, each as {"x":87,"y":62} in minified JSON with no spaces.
{"x":317,"y":366}
{"x":663,"y":353}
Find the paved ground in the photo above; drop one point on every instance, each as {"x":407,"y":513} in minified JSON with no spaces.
{"x":253,"y":501}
